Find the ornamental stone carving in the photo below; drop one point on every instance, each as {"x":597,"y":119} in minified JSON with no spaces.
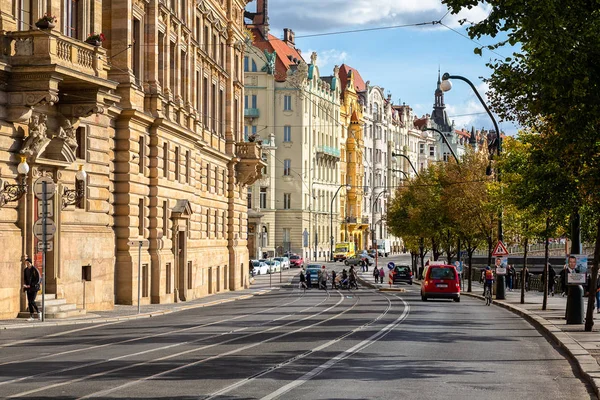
{"x":37,"y":138}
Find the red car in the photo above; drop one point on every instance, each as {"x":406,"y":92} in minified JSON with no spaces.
{"x":440,"y":282}
{"x":296,"y":261}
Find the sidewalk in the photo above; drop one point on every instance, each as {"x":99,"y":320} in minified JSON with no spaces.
{"x":583,"y":347}
{"x":260,"y":286}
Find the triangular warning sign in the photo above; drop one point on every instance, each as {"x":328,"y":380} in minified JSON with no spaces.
{"x":500,"y":250}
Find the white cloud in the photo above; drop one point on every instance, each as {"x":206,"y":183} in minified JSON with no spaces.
{"x":327,"y":15}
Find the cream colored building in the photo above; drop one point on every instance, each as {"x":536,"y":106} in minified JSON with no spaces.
{"x":154,"y":115}
{"x":295,"y":113}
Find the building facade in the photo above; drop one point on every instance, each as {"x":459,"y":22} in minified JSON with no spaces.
{"x":294,"y":112}
{"x":157,"y":126}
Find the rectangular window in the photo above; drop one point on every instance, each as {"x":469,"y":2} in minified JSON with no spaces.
{"x":161,"y":60}
{"x":236,"y":120}
{"x":287,"y":133}
{"x":142,"y":155}
{"x":190,"y":271}
{"x":263,"y":197}
{"x":287,"y":167}
{"x":81,"y":142}
{"x":24,"y":15}
{"x":287,"y":235}
{"x":168,"y":280}
{"x":206,"y":38}
{"x":137,"y":52}
{"x":183,"y":76}
{"x":287,"y":103}
{"x":246,"y":64}
{"x":249,"y":196}
{"x":187,"y":166}
{"x":173,"y":61}
{"x":71,"y":10}
{"x":221,"y":113}
{"x":145,"y":281}
{"x":165,"y":219}
{"x":287,"y":201}
{"x":205,"y":102}
{"x":141,"y":217}
{"x":182,"y":11}
{"x":166,"y":160}
{"x":421,"y":148}
{"x":177,"y":163}
{"x":236,"y":68}
{"x":432,"y":151}
{"x":198,"y":29}
{"x":213,"y":105}
{"x":215,"y":47}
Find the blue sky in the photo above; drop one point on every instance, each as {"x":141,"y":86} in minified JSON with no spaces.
{"x":404,"y":61}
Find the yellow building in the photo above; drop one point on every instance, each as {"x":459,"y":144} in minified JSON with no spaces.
{"x":354,"y":227}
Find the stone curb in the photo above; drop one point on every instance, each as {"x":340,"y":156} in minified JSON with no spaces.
{"x":132,"y":317}
{"x":587,"y":364}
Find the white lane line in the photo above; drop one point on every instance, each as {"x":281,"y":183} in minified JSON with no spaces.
{"x":53,"y":372}
{"x":130,"y":341}
{"x":343,"y":355}
{"x":228,"y":353}
{"x":37,"y":339}
{"x":58,"y":384}
{"x":298,"y":357}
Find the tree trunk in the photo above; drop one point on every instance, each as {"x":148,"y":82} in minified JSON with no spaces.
{"x":546,"y":269}
{"x":422,"y":255}
{"x":523,"y":277}
{"x":470,"y":251}
{"x":589,"y":317}
{"x":435,"y":249}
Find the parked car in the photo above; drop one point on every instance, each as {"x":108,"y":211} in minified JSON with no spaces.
{"x":403,"y":273}
{"x":285,"y":262}
{"x":259,"y":267}
{"x":356,"y":260}
{"x":274,"y":266}
{"x":314,"y":273}
{"x":440,"y":281}
{"x":296,"y":261}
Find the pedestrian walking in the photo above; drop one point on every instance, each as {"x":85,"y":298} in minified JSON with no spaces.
{"x":563,"y":280}
{"x":381,"y":275}
{"x":31,"y":285}
{"x":333,"y":282}
{"x":302,"y":284}
{"x":376,"y":274}
{"x":510,"y":277}
{"x":323,"y":278}
{"x":308,"y":279}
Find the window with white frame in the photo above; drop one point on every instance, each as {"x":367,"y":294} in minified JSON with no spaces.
{"x":287,"y":167}
{"x":421,"y":148}
{"x":287,"y":133}
{"x":71,"y":18}
{"x":432,"y":151}
{"x":287,"y":103}
{"x":263,"y":197}
{"x":287,"y":201}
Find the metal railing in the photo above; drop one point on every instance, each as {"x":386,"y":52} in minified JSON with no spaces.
{"x":251,"y":112}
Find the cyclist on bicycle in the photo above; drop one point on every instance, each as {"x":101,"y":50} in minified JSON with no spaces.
{"x":489,"y":279}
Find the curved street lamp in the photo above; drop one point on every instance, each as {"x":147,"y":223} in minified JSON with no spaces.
{"x":445,"y":139}
{"x":410,"y":162}
{"x":446,"y":85}
{"x":348,"y":187}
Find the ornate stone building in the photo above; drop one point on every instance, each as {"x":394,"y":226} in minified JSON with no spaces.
{"x":153,"y":115}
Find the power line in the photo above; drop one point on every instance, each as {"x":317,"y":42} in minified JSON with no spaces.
{"x":381,"y":28}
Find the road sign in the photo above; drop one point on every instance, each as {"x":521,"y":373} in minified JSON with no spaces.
{"x":500,"y":250}
{"x":38,"y":187}
{"x":50,"y":229}
{"x":391,"y":265}
{"x":137,"y":242}
{"x":49,"y":209}
{"x":49,"y":246}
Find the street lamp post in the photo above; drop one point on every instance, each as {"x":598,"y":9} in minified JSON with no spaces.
{"x":446,"y":85}
{"x":331,"y":220}
{"x":373,"y":230}
{"x":445,"y":139}
{"x":410,"y":162}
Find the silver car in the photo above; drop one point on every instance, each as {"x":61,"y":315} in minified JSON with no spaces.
{"x":285,"y":262}
{"x":274,"y":266}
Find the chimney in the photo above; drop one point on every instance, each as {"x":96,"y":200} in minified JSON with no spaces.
{"x":261,"y":18}
{"x":288,"y":37}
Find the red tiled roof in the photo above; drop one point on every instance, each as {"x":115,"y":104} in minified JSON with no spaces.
{"x":359,"y":83}
{"x":282,"y":63}
{"x":420,"y":122}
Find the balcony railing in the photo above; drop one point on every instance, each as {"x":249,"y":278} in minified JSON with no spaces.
{"x":46,"y":48}
{"x":251,"y":113}
{"x":328,"y":151}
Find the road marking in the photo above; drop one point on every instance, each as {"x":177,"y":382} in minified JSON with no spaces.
{"x":58,"y":384}
{"x":298,"y":357}
{"x":343,"y":355}
{"x":37,"y":339}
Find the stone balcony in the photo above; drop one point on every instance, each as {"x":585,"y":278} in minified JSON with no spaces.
{"x":45,"y":66}
{"x":329,"y":153}
{"x":250,"y":166}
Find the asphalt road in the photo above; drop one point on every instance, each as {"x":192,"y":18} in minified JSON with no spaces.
{"x":293,"y":345}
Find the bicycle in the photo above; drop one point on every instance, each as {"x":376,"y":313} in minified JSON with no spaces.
{"x":488,"y":296}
